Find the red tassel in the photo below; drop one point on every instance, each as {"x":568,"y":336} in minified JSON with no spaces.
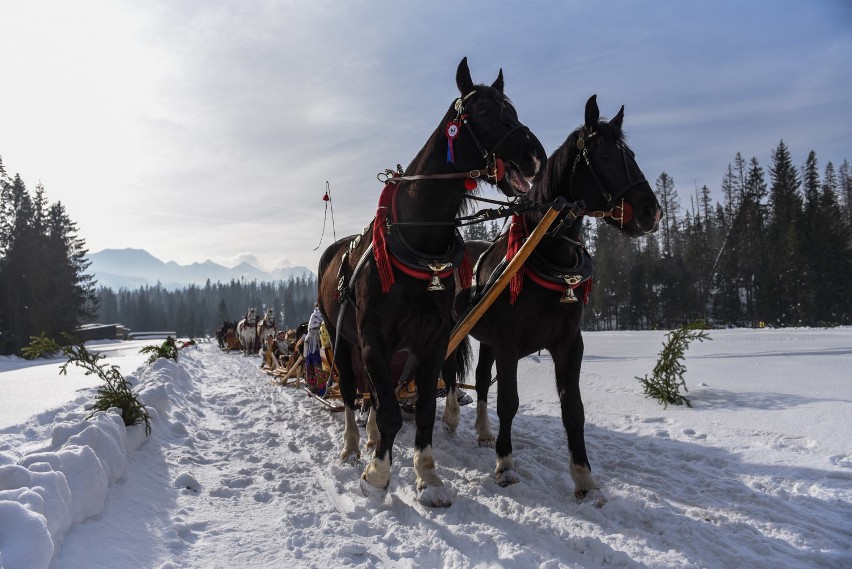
{"x":516,"y":240}
{"x":587,"y":290}
{"x":380,"y":228}
{"x":466,"y":271}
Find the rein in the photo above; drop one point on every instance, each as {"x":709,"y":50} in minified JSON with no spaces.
{"x":623,"y":212}
{"x":494,"y":168}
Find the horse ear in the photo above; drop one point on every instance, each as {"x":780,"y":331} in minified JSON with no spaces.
{"x":498,"y":83}
{"x":618,"y":119}
{"x":593,"y":114}
{"x":463,"y":80}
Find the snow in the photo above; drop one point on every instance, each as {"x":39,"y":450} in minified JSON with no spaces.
{"x":240,"y":472}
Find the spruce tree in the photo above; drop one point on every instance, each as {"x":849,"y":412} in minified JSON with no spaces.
{"x":845,"y":189}
{"x":785,"y":278}
{"x":667,"y":197}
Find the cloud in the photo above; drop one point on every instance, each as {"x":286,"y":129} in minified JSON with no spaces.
{"x":207,"y":129}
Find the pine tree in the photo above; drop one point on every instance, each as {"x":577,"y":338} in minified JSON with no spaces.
{"x":475,"y":232}
{"x":753,"y":240}
{"x":785,"y":278}
{"x":845,"y":189}
{"x":830,"y":257}
{"x":667,"y":197}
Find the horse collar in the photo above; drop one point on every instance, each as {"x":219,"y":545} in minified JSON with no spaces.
{"x":415,"y":263}
{"x":546,"y":274}
{"x":391,"y":250}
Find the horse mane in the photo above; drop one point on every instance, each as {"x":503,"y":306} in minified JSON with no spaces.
{"x":438,"y":137}
{"x":562,"y":159}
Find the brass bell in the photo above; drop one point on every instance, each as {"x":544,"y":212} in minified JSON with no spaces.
{"x":435,"y":282}
{"x":571,"y":281}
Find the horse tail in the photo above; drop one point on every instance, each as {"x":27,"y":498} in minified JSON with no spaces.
{"x":464,"y":358}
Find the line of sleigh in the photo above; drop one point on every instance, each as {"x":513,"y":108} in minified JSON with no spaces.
{"x":326,"y":391}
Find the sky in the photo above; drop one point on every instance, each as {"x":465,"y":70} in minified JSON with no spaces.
{"x":208,"y":129}
{"x":239,"y":471}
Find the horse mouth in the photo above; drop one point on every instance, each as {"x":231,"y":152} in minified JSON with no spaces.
{"x":518,"y":183}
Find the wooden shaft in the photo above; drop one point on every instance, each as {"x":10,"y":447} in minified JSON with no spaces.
{"x":462,"y":328}
{"x":292,"y":369}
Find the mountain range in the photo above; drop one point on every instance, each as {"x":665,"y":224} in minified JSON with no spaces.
{"x":133,"y":268}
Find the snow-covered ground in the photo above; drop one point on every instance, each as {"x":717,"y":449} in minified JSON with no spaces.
{"x":241,"y":473}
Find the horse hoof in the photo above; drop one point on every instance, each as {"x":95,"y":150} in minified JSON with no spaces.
{"x":506,"y":478}
{"x":489,"y":443}
{"x":350,"y":456}
{"x":436,"y":496}
{"x":370,"y":491}
{"x":594,"y":496}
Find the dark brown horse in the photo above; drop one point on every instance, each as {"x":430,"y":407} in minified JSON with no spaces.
{"x":540,"y":310}
{"x":390,"y":289}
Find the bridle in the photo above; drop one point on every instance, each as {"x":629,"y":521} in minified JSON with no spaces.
{"x":494,"y":168}
{"x":620,"y":212}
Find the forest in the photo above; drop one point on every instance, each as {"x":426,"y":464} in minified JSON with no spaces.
{"x":44,"y":287}
{"x":775,"y":251}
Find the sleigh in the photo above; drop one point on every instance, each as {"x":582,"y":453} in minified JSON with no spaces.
{"x":330,"y":397}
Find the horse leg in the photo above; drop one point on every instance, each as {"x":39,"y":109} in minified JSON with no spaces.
{"x":372,"y":428}
{"x":567,"y":359}
{"x":351,"y":434}
{"x":431,"y":490}
{"x":507,"y":408}
{"x":484,"y":435}
{"x":377,"y":474}
{"x":452,"y":411}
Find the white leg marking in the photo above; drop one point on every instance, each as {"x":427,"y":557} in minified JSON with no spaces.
{"x":373,"y":434}
{"x":451,"y":411}
{"x":351,"y":437}
{"x":377,"y":473}
{"x":504,"y":473}
{"x":585,"y":487}
{"x":431,"y":490}
{"x":483,"y":425}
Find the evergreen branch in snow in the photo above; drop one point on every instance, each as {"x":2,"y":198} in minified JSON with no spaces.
{"x":667,"y":377}
{"x":115,"y":392}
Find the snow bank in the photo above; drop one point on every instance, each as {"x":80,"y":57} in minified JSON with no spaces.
{"x":44,"y":491}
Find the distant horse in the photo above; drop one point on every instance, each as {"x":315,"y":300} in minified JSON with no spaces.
{"x":247,"y":332}
{"x":267,"y":325}
{"x":391,"y":290}
{"x":540,"y":309}
{"x":224,"y":331}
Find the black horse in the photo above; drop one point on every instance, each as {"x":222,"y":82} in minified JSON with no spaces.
{"x":390,"y":289}
{"x":540,"y":310}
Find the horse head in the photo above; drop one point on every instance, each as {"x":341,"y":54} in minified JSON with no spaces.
{"x":482,"y":132}
{"x":596,"y":165}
